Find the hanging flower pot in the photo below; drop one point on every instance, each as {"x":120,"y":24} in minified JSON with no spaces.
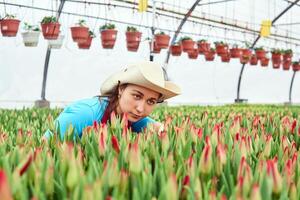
{"x":287,"y":55}
{"x":253,"y":60}
{"x":246,"y":52}
{"x":235,"y":52}
{"x":50,"y":28}
{"x":260,"y":53}
{"x":87,"y":43}
{"x":221,"y":48}
{"x":210,"y":55}
{"x":80,"y":32}
{"x":296,"y":66}
{"x":264,"y":62}
{"x":108,"y":36}
{"x":56,"y":44}
{"x":276,"y":58}
{"x":187,"y":44}
{"x":31,"y":36}
{"x":176,"y":49}
{"x":244,"y":59}
{"x":203,"y":46}
{"x":162,"y":40}
{"x":156,"y":49}
{"x":286,"y":65}
{"x":133,"y":38}
{"x":9,"y":26}
{"x":193,"y":54}
{"x":225,"y":57}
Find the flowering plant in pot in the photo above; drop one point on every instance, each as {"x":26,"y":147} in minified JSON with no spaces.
{"x":253,"y":59}
{"x":221,"y":47}
{"x":187,"y":44}
{"x":235,"y":51}
{"x":287,"y":54}
{"x":9,"y":26}
{"x":276,"y":58}
{"x":260,"y":53}
{"x":80,"y":32}
{"x":193,"y":54}
{"x":176,"y":49}
{"x":264,"y":62}
{"x":210,"y":55}
{"x":203,"y":46}
{"x":244,"y":59}
{"x":87,"y":43}
{"x":108,"y":35}
{"x":133,"y":38}
{"x":31,"y":35}
{"x":296,"y":66}
{"x":162,"y":40}
{"x":225,"y":57}
{"x":50,"y":27}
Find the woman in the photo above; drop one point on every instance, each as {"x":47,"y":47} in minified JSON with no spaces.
{"x":133,"y":91}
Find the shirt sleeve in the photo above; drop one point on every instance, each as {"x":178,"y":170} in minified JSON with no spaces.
{"x":140,"y":125}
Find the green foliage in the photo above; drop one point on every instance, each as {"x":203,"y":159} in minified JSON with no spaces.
{"x":276,"y":51}
{"x":92,"y":34}
{"x":49,"y":19}
{"x":29,"y":27}
{"x":107,"y":26}
{"x":131,"y":29}
{"x":185,"y":38}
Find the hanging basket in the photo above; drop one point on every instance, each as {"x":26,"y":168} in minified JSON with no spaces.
{"x":31,"y":38}
{"x":176,"y":49}
{"x":246,"y":52}
{"x":235,"y":52}
{"x":193,"y":54}
{"x":108,"y":38}
{"x":253,"y":60}
{"x":56,"y":44}
{"x":203,"y":47}
{"x":276,"y":60}
{"x":85,"y":44}
{"x":133,"y":40}
{"x":79,"y":33}
{"x":9,"y":27}
{"x":244,"y":59}
{"x":156,"y":49}
{"x":162,"y":41}
{"x":260,"y":54}
{"x":187,"y":45}
{"x":225,"y":57}
{"x":221,"y":49}
{"x":50,"y":30}
{"x":286,"y":65}
{"x":210,"y":55}
{"x":287,"y":56}
{"x":264,"y":62}
{"x":296,"y":66}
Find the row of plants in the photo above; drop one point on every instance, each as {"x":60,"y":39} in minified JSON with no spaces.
{"x":228,"y":152}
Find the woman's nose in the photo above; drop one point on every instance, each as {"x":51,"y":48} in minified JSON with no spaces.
{"x":140,"y":106}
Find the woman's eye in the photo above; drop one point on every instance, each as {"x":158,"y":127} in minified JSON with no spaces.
{"x":151,"y":102}
{"x":136,"y":96}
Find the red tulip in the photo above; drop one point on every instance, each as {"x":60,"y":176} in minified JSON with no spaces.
{"x":102,"y":144}
{"x":272,"y":171}
{"x":4,"y":187}
{"x":206,"y":157}
{"x":115,"y":144}
{"x":135,"y":158}
{"x":26,"y":165}
{"x":255,"y":193}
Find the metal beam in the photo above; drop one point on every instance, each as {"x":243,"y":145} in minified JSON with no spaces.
{"x":214,"y":2}
{"x":48,"y":53}
{"x":291,"y":87}
{"x":258,"y":37}
{"x":187,"y":15}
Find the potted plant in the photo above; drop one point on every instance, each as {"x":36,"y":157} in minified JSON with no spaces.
{"x":210,"y":55}
{"x":187,"y":44}
{"x":56,"y":43}
{"x":221,"y":48}
{"x":9,"y":26}
{"x":286,"y":64}
{"x":87,"y":43}
{"x":203,"y":46}
{"x":296,"y":66}
{"x":50,"y":28}
{"x":253,"y":59}
{"x":235,"y":51}
{"x":133,"y":38}
{"x":31,"y":35}
{"x":108,"y":35}
{"x":264,"y":62}
{"x":176,"y":49}
{"x":193,"y":54}
{"x":260,"y":53}
{"x":162,"y":40}
{"x":80,"y":32}
{"x":276,"y":58}
{"x":287,"y":55}
{"x":225,"y":57}
{"x":244,"y":59}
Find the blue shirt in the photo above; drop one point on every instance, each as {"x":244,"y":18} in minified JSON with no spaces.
{"x":83,"y":113}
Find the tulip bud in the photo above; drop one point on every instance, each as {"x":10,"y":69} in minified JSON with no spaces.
{"x":115,"y":144}
{"x":221,"y":158}
{"x":206,"y":158}
{"x":293,"y":192}
{"x":102,"y":144}
{"x":4,"y":187}
{"x":135,"y":158}
{"x":272,"y":171}
{"x":268,"y":146}
{"x":255,"y":193}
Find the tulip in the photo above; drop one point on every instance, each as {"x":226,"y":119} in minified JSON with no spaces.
{"x":293,"y":192}
{"x":102,"y":144}
{"x":185,"y":185}
{"x":171,"y":187}
{"x":5,"y":192}
{"x":165,"y":142}
{"x":268,"y":146}
{"x":205,"y":163}
{"x":255,"y":193}
{"x":135,"y":158}
{"x":115,"y":144}
{"x":221,"y":158}
{"x":272,"y":171}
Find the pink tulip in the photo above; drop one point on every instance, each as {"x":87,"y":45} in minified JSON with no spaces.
{"x":293,"y":126}
{"x":272,"y":171}
{"x":255,"y":193}
{"x":221,"y":158}
{"x":5,"y":192}
{"x":102,"y":144}
{"x":206,"y":157}
{"x":135,"y":158}
{"x":115,"y":144}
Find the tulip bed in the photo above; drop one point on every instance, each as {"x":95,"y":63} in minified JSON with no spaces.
{"x":226,"y":152}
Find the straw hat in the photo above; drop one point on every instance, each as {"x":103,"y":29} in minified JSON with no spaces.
{"x":146,"y":74}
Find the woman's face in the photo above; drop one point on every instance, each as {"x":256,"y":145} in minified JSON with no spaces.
{"x":137,"y":101}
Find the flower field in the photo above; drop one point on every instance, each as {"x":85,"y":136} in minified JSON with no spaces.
{"x":227,"y":152}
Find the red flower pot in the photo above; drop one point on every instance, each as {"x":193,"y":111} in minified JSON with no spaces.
{"x":162,"y":40}
{"x":276,"y":60}
{"x":264,"y":62}
{"x":221,"y":49}
{"x":156,"y":49}
{"x":260,"y":54}
{"x":85,"y":44}
{"x":244,"y":59}
{"x":246,"y":52}
{"x":187,"y":45}
{"x":108,"y":38}
{"x":79,"y":33}
{"x":203,"y":47}
{"x":209,"y":55}
{"x":235,"y":53}
{"x":193,"y":54}
{"x":286,"y":65}
{"x":9,"y":27}
{"x":133,"y":40}
{"x":253,"y":60}
{"x":287,"y":57}
{"x":50,"y":30}
{"x":176,"y":50}
{"x":225,"y":57}
{"x":296,"y":67}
